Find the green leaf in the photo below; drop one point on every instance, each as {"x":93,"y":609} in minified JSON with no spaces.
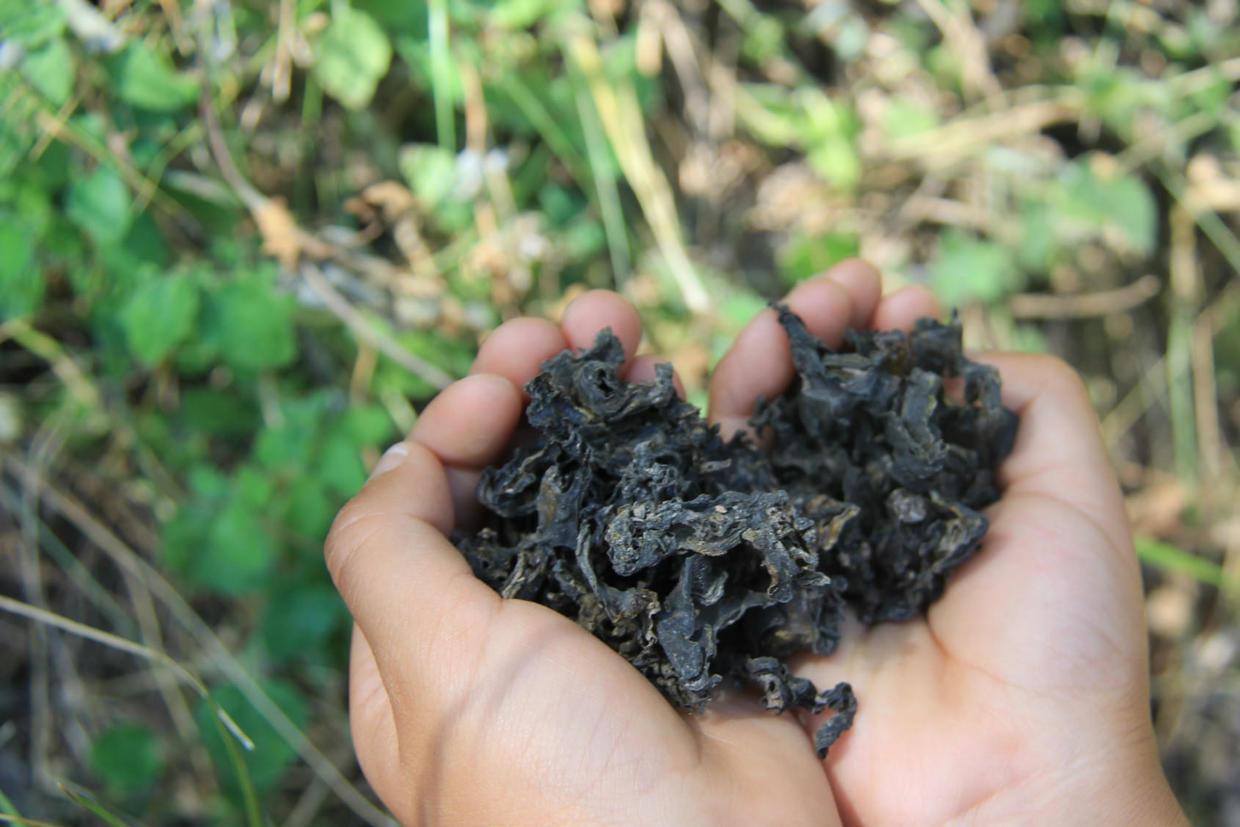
{"x":1089,"y":204}
{"x":432,"y":174}
{"x":252,"y":487}
{"x":219,"y":539}
{"x":762,"y":39}
{"x":217,"y":413}
{"x":50,"y":69}
{"x":825,"y":118}
{"x":739,"y":307}
{"x":397,"y":16}
{"x":21,"y":283}
{"x":850,"y":37}
{"x":430,"y":171}
{"x":1171,"y":558}
{"x":837,"y":161}
{"x":521,"y":14}
{"x":100,"y":205}
{"x":808,"y":256}
{"x":1133,"y":212}
{"x":207,"y":482}
{"x":308,"y":511}
{"x":145,"y":244}
{"x":127,"y":757}
{"x":340,"y":464}
{"x":972,"y":269}
{"x":271,"y":755}
{"x":30,"y":24}
{"x":368,"y":425}
{"x":288,"y":447}
{"x":238,"y":552}
{"x":298,"y":621}
{"x":146,"y":79}
{"x":1027,"y":339}
{"x":252,"y":324}
{"x":1036,"y":247}
{"x":908,"y":118}
{"x":583,"y":239}
{"x":159,"y":316}
{"x":353,"y":56}
{"x":825,"y":129}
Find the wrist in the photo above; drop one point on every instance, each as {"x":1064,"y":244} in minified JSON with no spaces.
{"x":1122,"y":784}
{"x":1128,"y":790}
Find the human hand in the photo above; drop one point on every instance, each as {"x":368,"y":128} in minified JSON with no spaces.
{"x":1022,"y":696}
{"x":468,"y":709}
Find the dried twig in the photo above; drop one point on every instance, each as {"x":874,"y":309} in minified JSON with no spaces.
{"x":1120,"y":419}
{"x":282,"y":60}
{"x":367,"y":332}
{"x":623,"y":123}
{"x":284,"y":239}
{"x":966,"y":40}
{"x":5,"y":818}
{"x":63,"y":364}
{"x":962,"y":136}
{"x":112,"y":641}
{"x":128,"y":560}
{"x":1211,"y":446}
{"x":1083,"y":305}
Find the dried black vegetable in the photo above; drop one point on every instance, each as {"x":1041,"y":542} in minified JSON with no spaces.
{"x":702,"y":560}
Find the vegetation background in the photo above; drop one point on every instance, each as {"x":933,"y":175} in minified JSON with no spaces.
{"x":242,"y":242}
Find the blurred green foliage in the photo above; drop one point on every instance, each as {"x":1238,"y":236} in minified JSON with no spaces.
{"x":460,"y":163}
{"x":271,"y":754}
{"x":128,"y":758}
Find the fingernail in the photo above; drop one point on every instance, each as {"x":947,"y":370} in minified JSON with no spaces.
{"x":391,"y":458}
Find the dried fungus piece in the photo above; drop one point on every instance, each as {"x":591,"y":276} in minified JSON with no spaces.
{"x":875,"y":427}
{"x":702,"y":561}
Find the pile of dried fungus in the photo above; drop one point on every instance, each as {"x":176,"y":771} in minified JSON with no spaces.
{"x":701,"y":560}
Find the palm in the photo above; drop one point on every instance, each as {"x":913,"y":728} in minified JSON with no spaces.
{"x":977,"y":698}
{"x":605,"y":735}
{"x":558,"y":701}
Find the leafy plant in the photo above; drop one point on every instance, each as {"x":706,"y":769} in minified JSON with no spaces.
{"x":353,"y":56}
{"x":128,"y":758}
{"x":973,"y":269}
{"x":264,"y":764}
{"x":448,"y":165}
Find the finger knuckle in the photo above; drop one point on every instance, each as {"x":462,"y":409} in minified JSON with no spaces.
{"x":344,"y":538}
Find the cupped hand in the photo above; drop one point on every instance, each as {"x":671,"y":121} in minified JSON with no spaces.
{"x":1022,"y":695}
{"x":468,"y":709}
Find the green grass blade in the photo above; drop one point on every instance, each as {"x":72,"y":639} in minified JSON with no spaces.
{"x":441,"y":73}
{"x":605,"y":188}
{"x":535,"y":111}
{"x":107,"y":816}
{"x":7,"y":807}
{"x":253,"y":813}
{"x":25,"y":822}
{"x":1171,"y":558}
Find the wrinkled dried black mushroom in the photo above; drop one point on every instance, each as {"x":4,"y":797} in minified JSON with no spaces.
{"x":702,"y":560}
